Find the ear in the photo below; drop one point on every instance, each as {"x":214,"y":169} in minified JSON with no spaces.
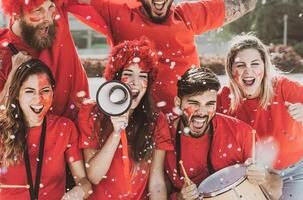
{"x":177,"y":102}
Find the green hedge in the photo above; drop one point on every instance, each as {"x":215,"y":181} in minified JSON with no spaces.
{"x":285,"y":59}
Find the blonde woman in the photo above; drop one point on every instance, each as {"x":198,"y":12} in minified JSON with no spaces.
{"x":270,"y":104}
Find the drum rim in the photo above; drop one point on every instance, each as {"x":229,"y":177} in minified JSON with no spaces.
{"x":226,"y":189}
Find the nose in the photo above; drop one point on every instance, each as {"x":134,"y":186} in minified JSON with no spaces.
{"x":38,"y":97}
{"x":135,"y":81}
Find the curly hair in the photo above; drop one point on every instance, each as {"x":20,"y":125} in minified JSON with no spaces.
{"x":13,"y":126}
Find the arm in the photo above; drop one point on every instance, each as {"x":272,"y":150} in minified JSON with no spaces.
{"x":78,"y":172}
{"x":235,"y":9}
{"x":157,"y":187}
{"x":271,"y":183}
{"x":17,"y":60}
{"x":99,"y":161}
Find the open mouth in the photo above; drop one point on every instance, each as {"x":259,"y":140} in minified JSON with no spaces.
{"x":158,"y":5}
{"x":198,"y":122}
{"x":44,"y":31}
{"x":135,"y":93}
{"x":249,"y":81}
{"x":37,"y":109}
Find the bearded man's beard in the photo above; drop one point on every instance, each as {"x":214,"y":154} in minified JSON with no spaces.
{"x":31,"y":35}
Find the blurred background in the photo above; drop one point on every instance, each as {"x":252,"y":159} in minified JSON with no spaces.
{"x":279,"y":23}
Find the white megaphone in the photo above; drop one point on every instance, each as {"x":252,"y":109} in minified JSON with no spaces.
{"x":114,"y":98}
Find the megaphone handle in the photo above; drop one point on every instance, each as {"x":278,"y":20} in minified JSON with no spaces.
{"x":126,"y":164}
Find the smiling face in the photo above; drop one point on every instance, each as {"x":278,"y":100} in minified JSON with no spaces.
{"x":37,"y":26}
{"x":248,"y":72}
{"x":35,"y":98}
{"x":198,"y":111}
{"x":157,"y":10}
{"x":137,"y":80}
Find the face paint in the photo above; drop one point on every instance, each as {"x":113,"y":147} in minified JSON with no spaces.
{"x":124,"y":80}
{"x":144,"y":83}
{"x":54,"y":13}
{"x":35,"y":19}
{"x":189,"y":111}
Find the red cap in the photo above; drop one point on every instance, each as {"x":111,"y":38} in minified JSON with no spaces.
{"x":130,"y":52}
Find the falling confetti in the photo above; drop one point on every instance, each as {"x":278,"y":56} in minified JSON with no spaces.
{"x":161,"y":104}
{"x":136,"y":59}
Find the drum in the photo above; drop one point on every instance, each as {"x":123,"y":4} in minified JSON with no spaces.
{"x":231,"y":183}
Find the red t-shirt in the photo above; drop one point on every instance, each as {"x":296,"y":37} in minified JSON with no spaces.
{"x":114,"y":185}
{"x":232,"y":144}
{"x":275,"y":121}
{"x":61,"y":58}
{"x":61,"y":145}
{"x":174,"y":39}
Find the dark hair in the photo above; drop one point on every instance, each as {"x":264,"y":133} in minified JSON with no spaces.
{"x":141,"y":123}
{"x":196,"y":80}
{"x":12,"y":122}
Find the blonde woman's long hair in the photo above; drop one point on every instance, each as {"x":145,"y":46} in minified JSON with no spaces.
{"x":239,"y":43}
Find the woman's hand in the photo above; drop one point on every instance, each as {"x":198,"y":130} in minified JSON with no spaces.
{"x":76,"y":193}
{"x":119,"y":122}
{"x":295,"y":110}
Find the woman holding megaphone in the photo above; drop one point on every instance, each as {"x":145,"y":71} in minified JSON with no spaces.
{"x":125,"y":153}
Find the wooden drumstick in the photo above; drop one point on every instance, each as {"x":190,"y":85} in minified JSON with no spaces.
{"x":253,"y":147}
{"x":187,"y":180}
{"x":14,"y":186}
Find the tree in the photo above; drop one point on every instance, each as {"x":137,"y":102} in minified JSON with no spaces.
{"x":267,"y":21}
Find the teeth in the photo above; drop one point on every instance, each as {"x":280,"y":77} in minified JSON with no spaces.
{"x":248,"y":79}
{"x":37,"y":107}
{"x":199,"y":120}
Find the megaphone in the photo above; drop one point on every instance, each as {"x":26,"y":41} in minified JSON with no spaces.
{"x":114,"y":98}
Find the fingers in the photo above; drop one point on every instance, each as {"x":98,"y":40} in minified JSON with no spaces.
{"x":119,"y":122}
{"x":19,"y":58}
{"x":256,"y":174}
{"x":295,"y":110}
{"x":189,"y":192}
{"x":248,"y":162}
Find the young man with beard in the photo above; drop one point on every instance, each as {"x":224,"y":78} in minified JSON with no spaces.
{"x":40,"y":28}
{"x":171,"y":27}
{"x":207,"y":141}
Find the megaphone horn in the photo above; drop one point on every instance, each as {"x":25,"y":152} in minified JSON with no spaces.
{"x":114,"y":98}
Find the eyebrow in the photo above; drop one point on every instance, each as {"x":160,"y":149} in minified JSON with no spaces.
{"x":128,"y":70}
{"x":211,"y":102}
{"x":193,"y":101}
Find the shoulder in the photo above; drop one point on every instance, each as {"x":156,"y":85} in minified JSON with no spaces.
{"x":225,"y":91}
{"x":228,"y":123}
{"x":59,"y":121}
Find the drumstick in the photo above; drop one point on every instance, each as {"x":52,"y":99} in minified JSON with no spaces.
{"x":187,"y":180}
{"x":13,"y":186}
{"x":253,"y":147}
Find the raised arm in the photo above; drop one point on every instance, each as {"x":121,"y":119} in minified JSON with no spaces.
{"x":234,"y":9}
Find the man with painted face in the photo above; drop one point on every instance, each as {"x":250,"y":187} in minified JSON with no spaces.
{"x":171,"y":27}
{"x":40,"y":28}
{"x":207,"y":141}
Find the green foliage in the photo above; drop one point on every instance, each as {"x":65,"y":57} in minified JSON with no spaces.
{"x":267,"y":21}
{"x":299,"y":49}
